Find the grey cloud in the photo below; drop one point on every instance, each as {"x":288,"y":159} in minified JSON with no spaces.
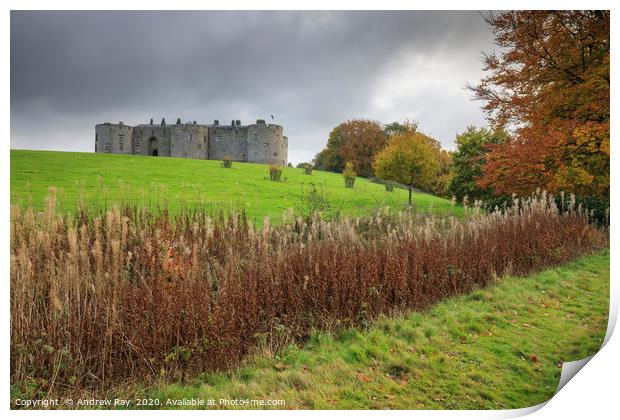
{"x":311,"y":70}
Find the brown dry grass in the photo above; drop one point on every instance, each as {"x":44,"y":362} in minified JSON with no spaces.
{"x":132,"y":295}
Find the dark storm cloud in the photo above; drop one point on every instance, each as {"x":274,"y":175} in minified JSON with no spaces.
{"x":311,"y":70}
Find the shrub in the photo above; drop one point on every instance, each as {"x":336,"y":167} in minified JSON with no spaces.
{"x":227,"y":162}
{"x":315,"y":200}
{"x":389,"y":186}
{"x":349,"y":175}
{"x":308,"y":169}
{"x":595,"y":209}
{"x":275,"y":172}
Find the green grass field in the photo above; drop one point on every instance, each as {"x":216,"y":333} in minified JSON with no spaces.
{"x":100,"y":179}
{"x":500,"y":347}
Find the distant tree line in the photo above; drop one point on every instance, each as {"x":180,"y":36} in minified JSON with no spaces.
{"x":546,"y":97}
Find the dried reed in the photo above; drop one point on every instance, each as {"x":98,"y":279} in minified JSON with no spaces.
{"x":136,"y":294}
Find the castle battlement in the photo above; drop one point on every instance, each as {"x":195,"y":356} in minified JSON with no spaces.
{"x":258,"y":143}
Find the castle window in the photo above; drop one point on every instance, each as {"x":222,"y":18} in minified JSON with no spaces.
{"x":137,"y":143}
{"x":108,"y":148}
{"x":218,"y":139}
{"x":191,"y":137}
{"x":121,"y":143}
{"x":200,"y":145}
{"x":265,"y":144}
{"x":275,"y":153}
{"x":184,"y":154}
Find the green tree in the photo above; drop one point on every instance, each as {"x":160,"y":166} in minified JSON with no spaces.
{"x":440,"y":184}
{"x":411,"y":159}
{"x":395,"y":127}
{"x":329,"y":158}
{"x":469,"y":158}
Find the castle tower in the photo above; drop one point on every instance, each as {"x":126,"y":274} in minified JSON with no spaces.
{"x":267,"y":143}
{"x":113,"y":138}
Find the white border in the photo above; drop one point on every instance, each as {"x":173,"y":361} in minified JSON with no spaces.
{"x":592,"y":393}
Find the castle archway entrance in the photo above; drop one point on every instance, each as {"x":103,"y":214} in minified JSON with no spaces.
{"x":153,"y":149}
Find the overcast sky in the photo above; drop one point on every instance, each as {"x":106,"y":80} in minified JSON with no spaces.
{"x":311,"y":70}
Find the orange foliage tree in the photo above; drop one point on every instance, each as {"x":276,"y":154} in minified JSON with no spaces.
{"x":355,"y":141}
{"x":549,"y":85}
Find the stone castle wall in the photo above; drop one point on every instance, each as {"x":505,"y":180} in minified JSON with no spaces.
{"x":258,"y":143}
{"x":228,"y":141}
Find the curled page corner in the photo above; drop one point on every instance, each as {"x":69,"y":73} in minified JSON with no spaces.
{"x":569,"y":370}
{"x":612,"y":317}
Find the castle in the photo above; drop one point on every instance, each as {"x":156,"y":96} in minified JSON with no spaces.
{"x":258,"y":143}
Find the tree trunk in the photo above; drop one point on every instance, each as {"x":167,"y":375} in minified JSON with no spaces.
{"x":410,"y":187}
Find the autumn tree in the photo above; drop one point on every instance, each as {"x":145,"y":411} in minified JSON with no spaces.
{"x":549,"y":84}
{"x":411,"y":159}
{"x":355,"y":141}
{"x":472,"y":148}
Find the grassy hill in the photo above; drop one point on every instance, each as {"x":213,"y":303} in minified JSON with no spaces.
{"x":100,"y":179}
{"x":496,"y":348}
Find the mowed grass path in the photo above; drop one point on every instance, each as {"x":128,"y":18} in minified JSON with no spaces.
{"x":100,"y":179}
{"x":500,"y":347}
